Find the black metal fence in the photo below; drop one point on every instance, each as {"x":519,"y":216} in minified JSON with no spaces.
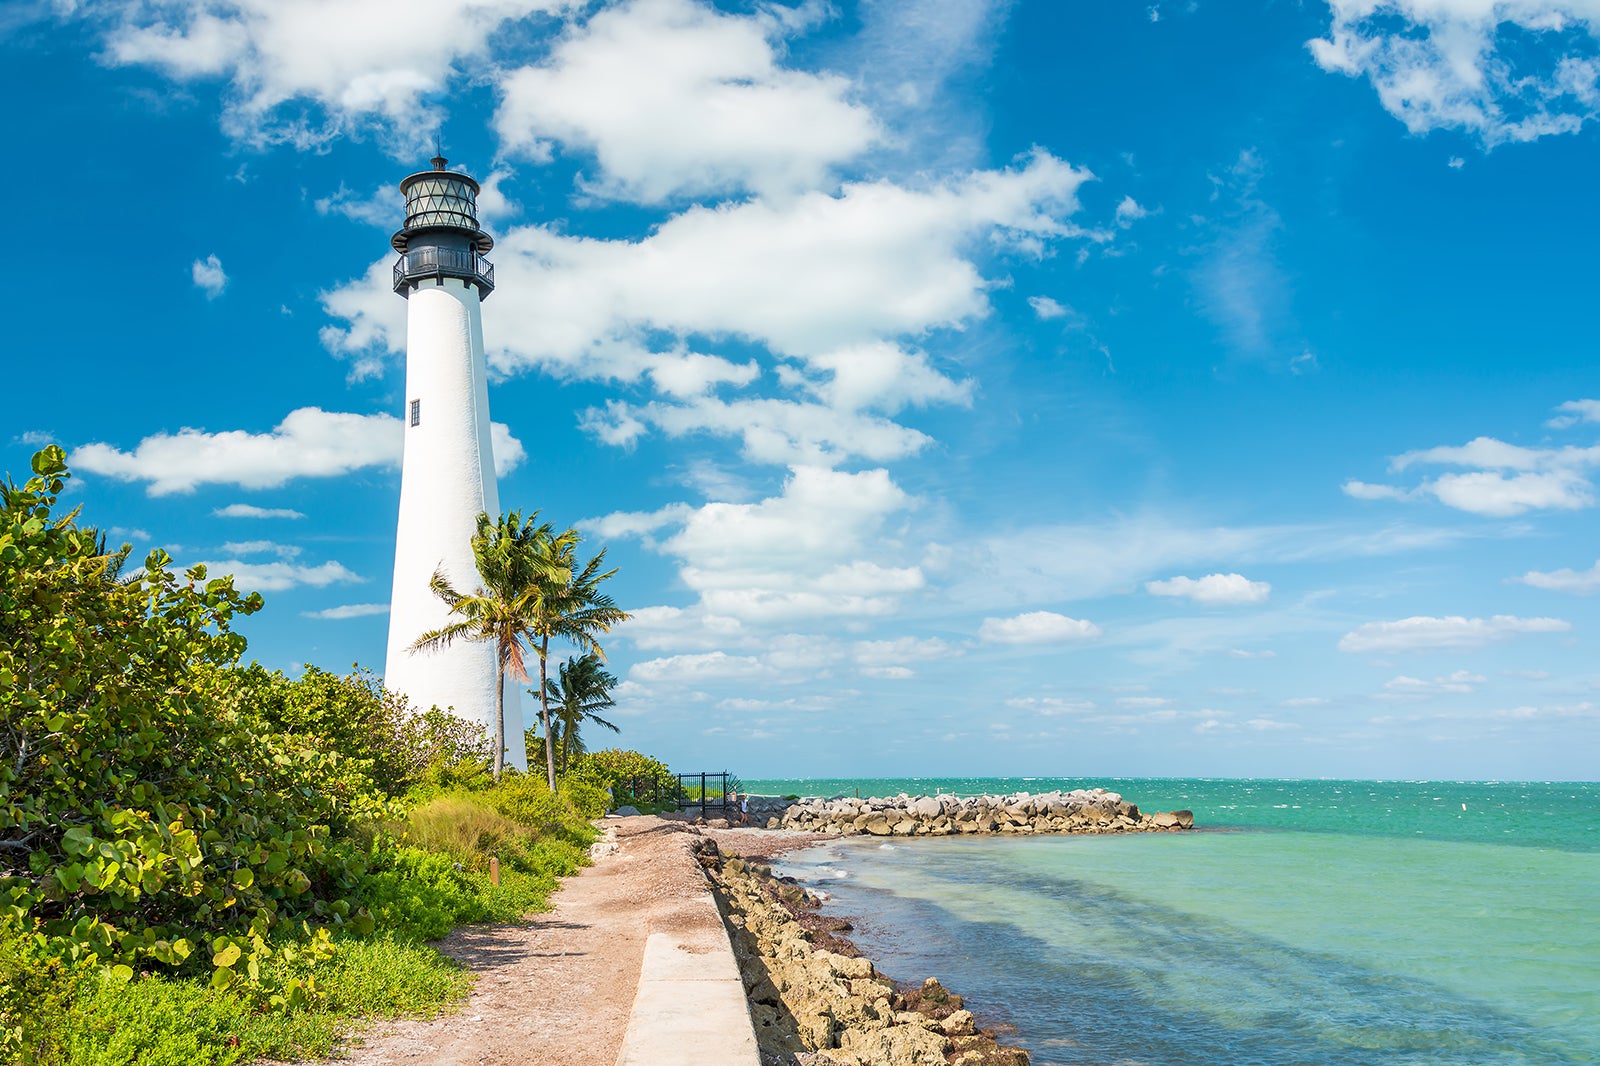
{"x":708,"y":795}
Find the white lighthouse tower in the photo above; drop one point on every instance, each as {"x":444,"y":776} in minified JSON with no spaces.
{"x":447,"y":478}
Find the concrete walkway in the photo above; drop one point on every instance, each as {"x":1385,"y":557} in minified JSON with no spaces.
{"x":632,"y":968}
{"x":690,"y":1008}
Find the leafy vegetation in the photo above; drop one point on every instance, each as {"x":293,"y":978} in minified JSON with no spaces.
{"x":505,"y":609}
{"x":203,"y":861}
{"x":581,"y":690}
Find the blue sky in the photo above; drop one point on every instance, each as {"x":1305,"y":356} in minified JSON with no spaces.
{"x":962,"y":387}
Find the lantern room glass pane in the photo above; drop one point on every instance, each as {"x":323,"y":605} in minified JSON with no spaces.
{"x":441,"y":201}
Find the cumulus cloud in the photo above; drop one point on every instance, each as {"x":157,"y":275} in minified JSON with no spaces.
{"x":209,"y":276}
{"x":1213,"y":588}
{"x":349,"y":610}
{"x":805,"y":278}
{"x":1424,"y":633}
{"x":309,"y":442}
{"x":305,"y":72}
{"x":278,"y":576}
{"x":1575,"y":411}
{"x":806,"y":552}
{"x":1507,"y":71}
{"x":1583,"y":582}
{"x":1036,"y":627}
{"x":1502,"y":479}
{"x":676,"y":98}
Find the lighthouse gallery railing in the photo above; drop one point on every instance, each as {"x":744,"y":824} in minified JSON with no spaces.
{"x":430,"y":261}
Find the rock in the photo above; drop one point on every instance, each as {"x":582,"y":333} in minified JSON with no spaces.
{"x":900,"y":1045}
{"x":1167,"y":820}
{"x":957,"y":1024}
{"x":1185,"y":819}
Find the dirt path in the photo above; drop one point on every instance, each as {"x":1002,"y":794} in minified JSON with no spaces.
{"x":558,"y":991}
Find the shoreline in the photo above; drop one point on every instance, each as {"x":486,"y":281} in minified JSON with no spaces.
{"x":814,"y":998}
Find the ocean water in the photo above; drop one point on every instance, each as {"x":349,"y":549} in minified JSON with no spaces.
{"x":1307,"y":922}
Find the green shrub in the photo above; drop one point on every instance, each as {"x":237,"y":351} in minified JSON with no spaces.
{"x":419,"y":895}
{"x":618,"y":770}
{"x":590,"y":800}
{"x":143,"y":820}
{"x":384,"y":747}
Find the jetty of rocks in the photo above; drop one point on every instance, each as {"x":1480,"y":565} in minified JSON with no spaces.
{"x":814,"y":999}
{"x":1079,"y":811}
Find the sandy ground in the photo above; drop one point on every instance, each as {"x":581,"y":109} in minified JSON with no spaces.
{"x":558,"y":991}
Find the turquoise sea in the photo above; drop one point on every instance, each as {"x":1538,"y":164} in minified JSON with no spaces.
{"x":1306,"y":922}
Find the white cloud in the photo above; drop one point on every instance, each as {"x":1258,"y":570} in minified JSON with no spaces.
{"x":698,"y":669}
{"x":1051,"y":706}
{"x":805,"y":278}
{"x":356,"y":63}
{"x":309,"y":442}
{"x":1036,"y":627}
{"x":802,"y":553}
{"x":1504,"y":71}
{"x":675,"y":98}
{"x":1574,"y":412}
{"x":1047,"y":308}
{"x":382,"y":207}
{"x":1362,"y":490}
{"x":1143,"y":702}
{"x":1242,"y":653}
{"x":886,"y":659}
{"x":209,"y":276}
{"x":275,"y":577}
{"x":349,"y":610}
{"x":1460,"y":682}
{"x":245,"y":510}
{"x":1213,"y":588}
{"x":1305,"y":701}
{"x":1583,"y":582}
{"x":1509,"y":479}
{"x":261,"y":547}
{"x":1454,"y":632}
{"x":1128,"y":212}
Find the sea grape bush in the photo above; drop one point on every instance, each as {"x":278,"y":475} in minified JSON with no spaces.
{"x":142,"y":818}
{"x":183,"y":836}
{"x":613,"y":765}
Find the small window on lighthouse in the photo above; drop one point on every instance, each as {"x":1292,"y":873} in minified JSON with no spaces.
{"x":416,"y":412}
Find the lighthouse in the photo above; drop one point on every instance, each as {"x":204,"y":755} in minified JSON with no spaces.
{"x":447,"y":474}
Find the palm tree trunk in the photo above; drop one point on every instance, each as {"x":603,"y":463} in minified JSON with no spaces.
{"x":544,"y":711}
{"x":500,"y":720}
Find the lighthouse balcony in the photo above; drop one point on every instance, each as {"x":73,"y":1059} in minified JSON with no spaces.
{"x":430,"y":261}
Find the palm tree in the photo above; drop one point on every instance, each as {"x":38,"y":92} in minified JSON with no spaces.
{"x":570,"y":607}
{"x":516,"y":567}
{"x":582,"y":689}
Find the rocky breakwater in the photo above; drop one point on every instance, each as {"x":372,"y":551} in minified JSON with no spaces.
{"x":1078,"y":811}
{"x":815,"y":1001}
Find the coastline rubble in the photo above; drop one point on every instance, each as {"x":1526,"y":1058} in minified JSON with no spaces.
{"x":814,"y":1001}
{"x":1077,"y":811}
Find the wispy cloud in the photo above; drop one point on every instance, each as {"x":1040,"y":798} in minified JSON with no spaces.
{"x":1454,"y":632}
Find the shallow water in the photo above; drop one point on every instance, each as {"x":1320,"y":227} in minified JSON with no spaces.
{"x":1339,"y":922}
